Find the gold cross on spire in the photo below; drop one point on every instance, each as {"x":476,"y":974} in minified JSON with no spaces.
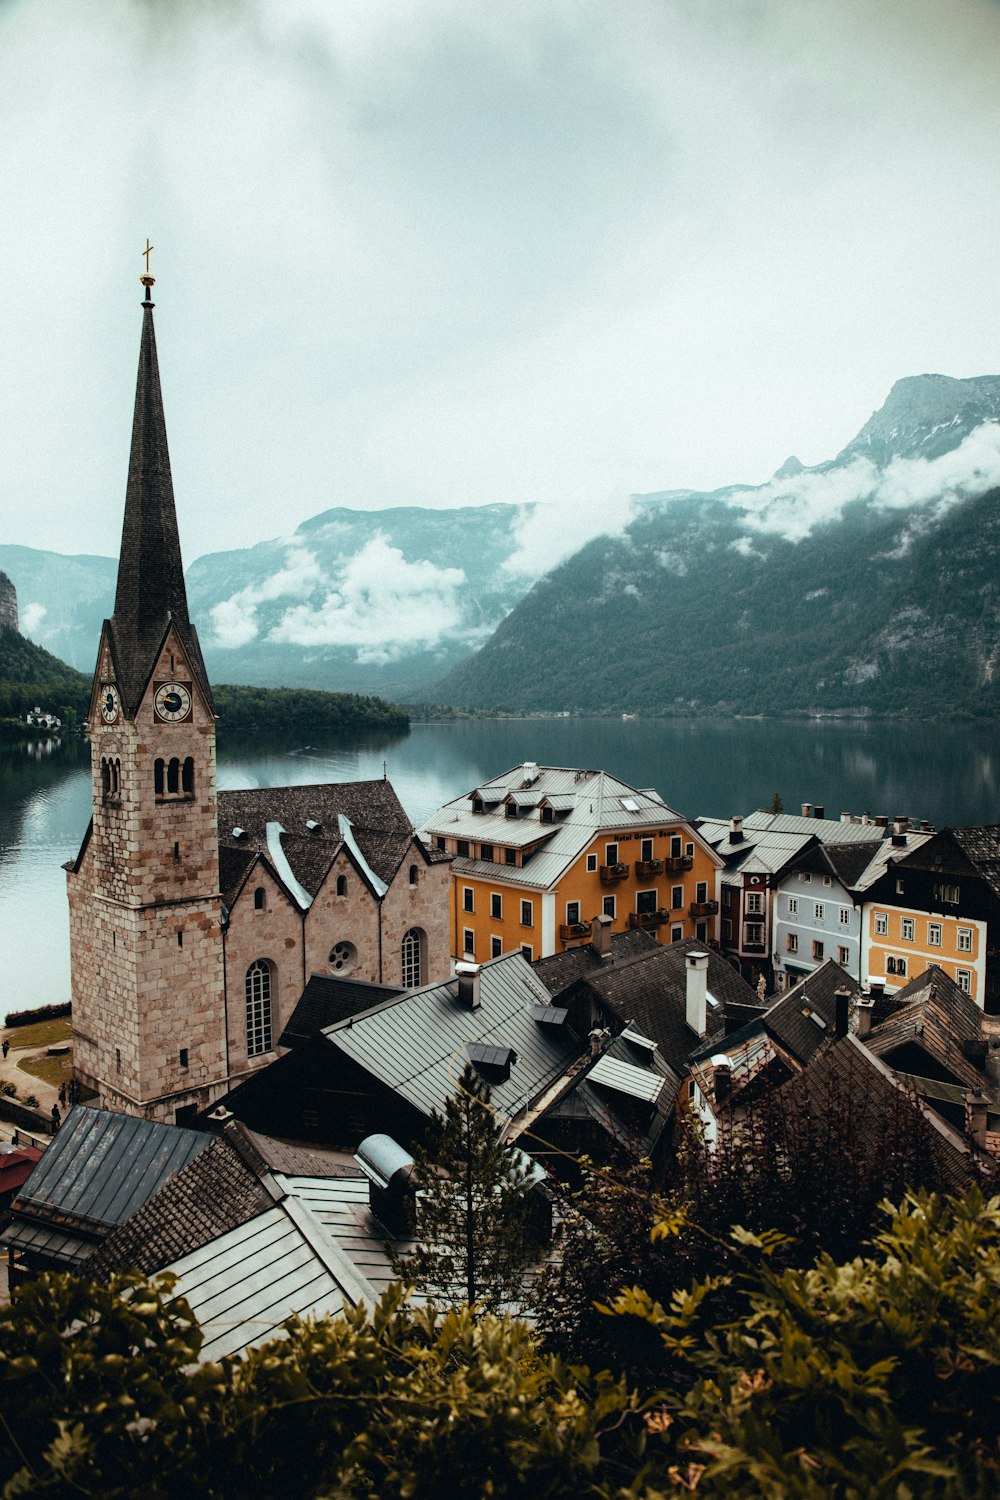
{"x":147,"y":252}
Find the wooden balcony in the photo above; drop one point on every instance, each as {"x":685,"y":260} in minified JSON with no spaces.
{"x":678,"y":862}
{"x":647,"y":919}
{"x":610,"y":873}
{"x":572,"y":931}
{"x":644,"y":868}
{"x":703,"y":908}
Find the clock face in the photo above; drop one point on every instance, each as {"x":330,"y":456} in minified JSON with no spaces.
{"x":109,"y":702}
{"x":172,"y":702}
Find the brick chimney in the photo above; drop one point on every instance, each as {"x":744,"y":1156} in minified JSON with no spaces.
{"x":600,"y":936}
{"x":975,"y":1119}
{"x":468,"y":984}
{"x":807,"y":809}
{"x":696,"y":992}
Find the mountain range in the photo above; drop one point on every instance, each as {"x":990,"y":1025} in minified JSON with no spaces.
{"x":868,"y":583}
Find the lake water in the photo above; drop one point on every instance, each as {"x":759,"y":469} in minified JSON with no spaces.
{"x":700,"y":766}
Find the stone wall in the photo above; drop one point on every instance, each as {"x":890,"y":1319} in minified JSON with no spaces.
{"x":8,"y":603}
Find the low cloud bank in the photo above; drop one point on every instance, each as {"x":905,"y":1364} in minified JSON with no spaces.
{"x":794,"y":507}
{"x":376,"y":602}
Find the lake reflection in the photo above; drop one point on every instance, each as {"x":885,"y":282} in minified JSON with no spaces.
{"x":700,"y":766}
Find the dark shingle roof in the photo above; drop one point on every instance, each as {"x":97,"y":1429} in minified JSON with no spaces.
{"x":981,"y":844}
{"x":326,"y":1000}
{"x":380,"y":826}
{"x":651,"y":990}
{"x":937,"y":1017}
{"x":790,"y":1020}
{"x":559,"y":970}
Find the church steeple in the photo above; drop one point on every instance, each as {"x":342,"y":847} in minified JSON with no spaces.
{"x":151,"y":592}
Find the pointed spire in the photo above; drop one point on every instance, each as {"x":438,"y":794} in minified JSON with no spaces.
{"x":151,"y":591}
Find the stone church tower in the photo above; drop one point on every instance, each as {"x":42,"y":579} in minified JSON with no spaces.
{"x":149,"y":1004}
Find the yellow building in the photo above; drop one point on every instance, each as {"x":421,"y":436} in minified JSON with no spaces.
{"x":540,"y":851}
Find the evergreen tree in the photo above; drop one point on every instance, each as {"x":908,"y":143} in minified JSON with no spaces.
{"x":473,"y":1212}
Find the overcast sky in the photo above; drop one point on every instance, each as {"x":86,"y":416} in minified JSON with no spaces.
{"x":439,"y":252}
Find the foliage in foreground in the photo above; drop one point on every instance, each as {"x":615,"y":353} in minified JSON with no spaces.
{"x":876,"y":1377}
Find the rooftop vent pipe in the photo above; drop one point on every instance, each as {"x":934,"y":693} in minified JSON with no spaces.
{"x":468,"y":984}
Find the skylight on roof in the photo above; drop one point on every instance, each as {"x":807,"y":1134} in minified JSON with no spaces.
{"x":548,"y":1015}
{"x":630,"y":804}
{"x":817,"y":1020}
{"x":491,"y":1055}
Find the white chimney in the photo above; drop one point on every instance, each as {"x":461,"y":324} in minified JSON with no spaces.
{"x":468,"y":984}
{"x":696,"y":997}
{"x":600,"y":936}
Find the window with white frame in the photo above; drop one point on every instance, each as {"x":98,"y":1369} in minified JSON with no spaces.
{"x":527,"y":952}
{"x":828,"y":880}
{"x":818,"y":911}
{"x":881,"y":923}
{"x":933,"y":934}
{"x":906,"y":928}
{"x":843,"y":955}
{"x":608,"y":906}
{"x":948,"y":894}
{"x":572,"y":913}
{"x":527,"y":914}
{"x":591,"y":863}
{"x":468,"y":942}
{"x":676,"y":897}
{"x":468,"y":898}
{"x":753,"y":934}
{"x":412,"y":958}
{"x":257,"y":987}
{"x":496,"y":905}
{"x":844,"y":916}
{"x":965,"y":940}
{"x":895,"y":965}
{"x":818,"y":950}
{"x":496,"y":947}
{"x":676,"y":933}
{"x":792,"y":942}
{"x":755,"y":903}
{"x":611,"y":854}
{"x":805,"y":877}
{"x":964,"y":978}
{"x":793,"y":906}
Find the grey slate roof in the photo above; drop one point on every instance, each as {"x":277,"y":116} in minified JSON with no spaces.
{"x":98,"y":1171}
{"x":938,"y":1018}
{"x":845,"y":862}
{"x":381,"y":828}
{"x":326,"y":1000}
{"x":559,"y":970}
{"x":805,"y":1017}
{"x":586,"y":802}
{"x":980,"y":843}
{"x":415,"y":1044}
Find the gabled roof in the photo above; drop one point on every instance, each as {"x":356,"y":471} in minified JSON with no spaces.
{"x":980,"y":843}
{"x":804,"y":1018}
{"x":559,"y":970}
{"x":99,"y":1170}
{"x":381,"y":828}
{"x":326,"y":1000}
{"x":415,"y":1044}
{"x":150,"y":595}
{"x":650,"y":990}
{"x":938,"y":1018}
{"x":768,"y":842}
{"x":827,"y":830}
{"x":885,"y":853}
{"x":587,"y":804}
{"x":845,"y":863}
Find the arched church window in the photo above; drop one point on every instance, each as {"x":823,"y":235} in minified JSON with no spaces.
{"x":174,"y":775}
{"x":187,"y":776}
{"x":258,"y":996}
{"x":116,"y":777}
{"x":413,"y":945}
{"x":105,"y":778}
{"x":413,"y":874}
{"x":341,"y":885}
{"x":259,"y":899}
{"x":158,"y":786}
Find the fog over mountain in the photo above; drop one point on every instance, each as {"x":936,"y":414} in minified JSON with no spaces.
{"x":833,"y":586}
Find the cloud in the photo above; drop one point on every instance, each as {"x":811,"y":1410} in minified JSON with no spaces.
{"x":546,"y":534}
{"x":30,"y":617}
{"x":793,"y":508}
{"x":234,"y":620}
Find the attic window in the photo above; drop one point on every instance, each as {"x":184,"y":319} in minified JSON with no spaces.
{"x":630,"y":804}
{"x":477,"y":804}
{"x":510,"y":811}
{"x":547,"y":815}
{"x":491,"y":1059}
{"x":548,"y":1015}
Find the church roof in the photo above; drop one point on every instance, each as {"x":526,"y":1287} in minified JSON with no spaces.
{"x":151,"y":594}
{"x":310,"y":817}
